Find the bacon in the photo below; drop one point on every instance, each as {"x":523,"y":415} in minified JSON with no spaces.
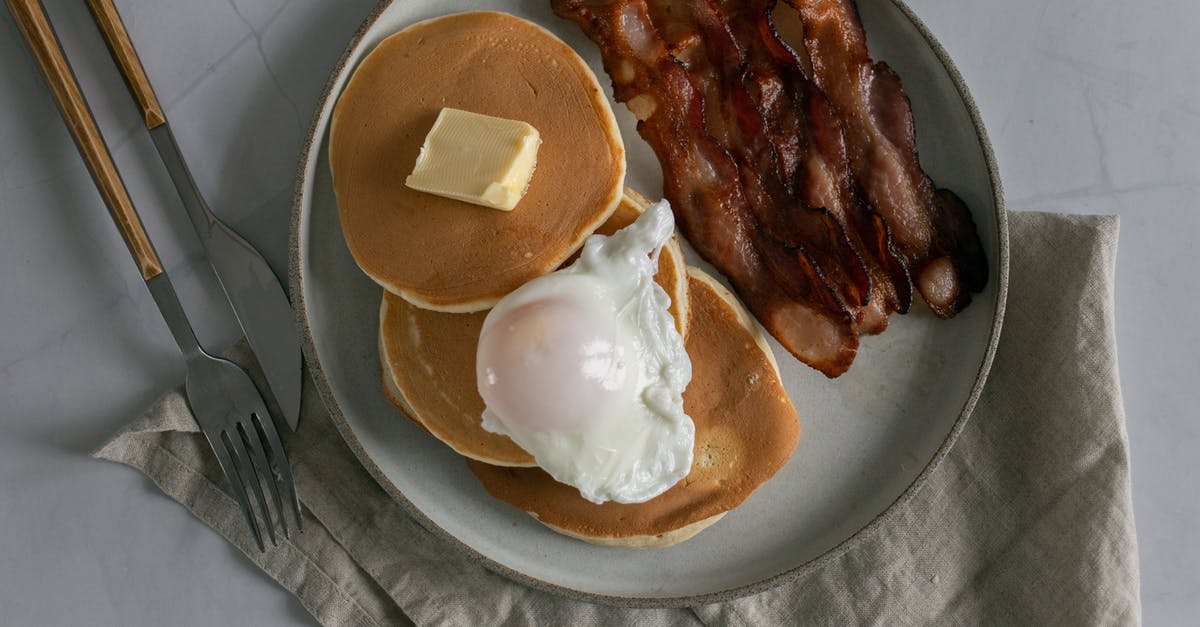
{"x":699,"y":39}
{"x":932,"y":230}
{"x":797,"y":109}
{"x":779,"y":283}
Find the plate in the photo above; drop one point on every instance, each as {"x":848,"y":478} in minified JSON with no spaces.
{"x":868,"y":439}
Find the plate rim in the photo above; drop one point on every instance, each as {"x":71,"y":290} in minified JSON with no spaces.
{"x":296,"y":290}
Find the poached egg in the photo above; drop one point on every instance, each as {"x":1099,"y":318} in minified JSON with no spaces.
{"x":585,"y":369}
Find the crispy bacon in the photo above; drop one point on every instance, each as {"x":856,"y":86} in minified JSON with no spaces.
{"x":779,"y":283}
{"x":932,"y":230}
{"x":697,"y":36}
{"x":802,"y":117}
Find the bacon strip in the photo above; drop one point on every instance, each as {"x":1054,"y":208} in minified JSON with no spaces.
{"x":779,"y":284}
{"x":932,"y":230}
{"x":697,"y":36}
{"x":822,"y":172}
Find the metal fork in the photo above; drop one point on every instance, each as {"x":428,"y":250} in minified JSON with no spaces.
{"x":234,"y":419}
{"x":227,"y":405}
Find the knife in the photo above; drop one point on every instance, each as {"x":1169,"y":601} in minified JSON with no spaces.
{"x":258,"y":300}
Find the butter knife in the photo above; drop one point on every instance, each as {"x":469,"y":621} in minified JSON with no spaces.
{"x":258,"y":300}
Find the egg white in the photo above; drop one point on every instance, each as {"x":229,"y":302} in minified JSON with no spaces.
{"x":639,"y":444}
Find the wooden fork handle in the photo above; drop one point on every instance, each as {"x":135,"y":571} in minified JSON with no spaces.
{"x":121,"y":48}
{"x":31,"y":21}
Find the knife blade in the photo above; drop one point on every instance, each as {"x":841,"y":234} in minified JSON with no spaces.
{"x":251,"y":287}
{"x":253,"y":290}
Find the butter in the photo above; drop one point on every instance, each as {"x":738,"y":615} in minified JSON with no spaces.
{"x":476,"y":158}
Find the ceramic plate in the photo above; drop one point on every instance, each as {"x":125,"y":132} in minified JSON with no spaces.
{"x":868,"y":439}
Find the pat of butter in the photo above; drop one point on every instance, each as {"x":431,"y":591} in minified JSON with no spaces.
{"x":477,"y":158}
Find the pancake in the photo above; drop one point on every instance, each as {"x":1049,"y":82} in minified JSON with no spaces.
{"x":746,"y":429}
{"x":392,"y":393}
{"x":448,"y":255}
{"x":645,"y":542}
{"x":428,"y":360}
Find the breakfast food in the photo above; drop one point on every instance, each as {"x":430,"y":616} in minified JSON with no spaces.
{"x":744,"y":434}
{"x":427,"y":360}
{"x":584,"y":369}
{"x":445,"y":254}
{"x":672,"y":271}
{"x":795,"y":134}
{"x":578,"y":378}
{"x":766,"y":183}
{"x":428,"y":357}
{"x":609,"y":392}
{"x":701,"y":181}
{"x":931,"y":228}
{"x":718,"y":66}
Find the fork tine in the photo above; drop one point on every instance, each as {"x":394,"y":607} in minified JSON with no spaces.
{"x":254,"y":444}
{"x":251,"y":476}
{"x":235,"y":483}
{"x":267,"y":427}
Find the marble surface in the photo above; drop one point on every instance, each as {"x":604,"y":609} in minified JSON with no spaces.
{"x":1093,"y":107}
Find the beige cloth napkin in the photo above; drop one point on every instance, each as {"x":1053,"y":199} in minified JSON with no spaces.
{"x":1028,"y":520}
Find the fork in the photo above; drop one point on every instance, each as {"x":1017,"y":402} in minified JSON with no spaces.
{"x":226,"y":404}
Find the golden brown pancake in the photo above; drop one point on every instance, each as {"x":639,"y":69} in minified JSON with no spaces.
{"x":428,"y":360}
{"x":746,"y":429}
{"x":648,"y":541}
{"x":445,"y":254}
{"x":392,"y":393}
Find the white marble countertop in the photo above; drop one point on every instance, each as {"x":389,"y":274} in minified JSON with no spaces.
{"x":1093,"y":107}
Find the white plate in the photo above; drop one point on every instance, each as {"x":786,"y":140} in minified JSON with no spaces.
{"x":868,"y":439}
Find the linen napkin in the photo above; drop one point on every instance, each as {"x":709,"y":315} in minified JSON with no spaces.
{"x":1028,"y":520}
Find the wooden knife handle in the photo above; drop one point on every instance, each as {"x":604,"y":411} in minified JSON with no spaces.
{"x":121,"y":48}
{"x":31,"y":21}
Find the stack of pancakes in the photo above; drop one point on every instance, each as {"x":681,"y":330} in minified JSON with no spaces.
{"x":444,"y":263}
